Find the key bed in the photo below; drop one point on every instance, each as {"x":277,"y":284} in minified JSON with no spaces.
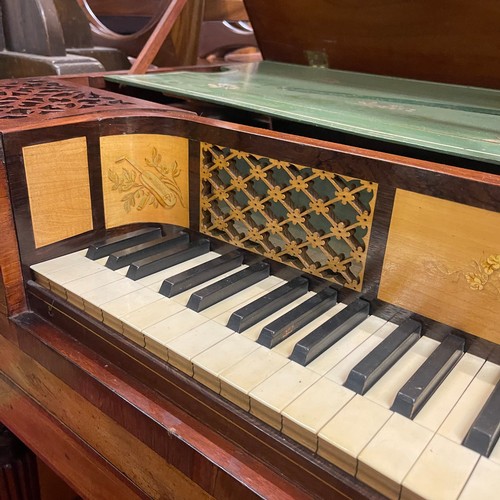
{"x":314,"y":404}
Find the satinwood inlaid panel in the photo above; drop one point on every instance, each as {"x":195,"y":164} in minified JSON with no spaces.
{"x":145,"y":179}
{"x":57,"y":178}
{"x":443,"y":261}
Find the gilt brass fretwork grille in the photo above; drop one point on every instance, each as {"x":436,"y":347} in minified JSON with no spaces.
{"x":313,"y":220}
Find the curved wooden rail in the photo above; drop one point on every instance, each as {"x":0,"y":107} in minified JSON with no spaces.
{"x":180,"y":46}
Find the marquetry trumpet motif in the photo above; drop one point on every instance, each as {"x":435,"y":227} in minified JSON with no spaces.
{"x":154,"y":183}
{"x":308,"y":218}
{"x":145,"y":178}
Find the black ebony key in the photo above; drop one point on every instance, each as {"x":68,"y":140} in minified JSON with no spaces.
{"x":292,"y":321}
{"x":485,"y":430}
{"x":107,"y":246}
{"x":224,"y":288}
{"x":176,"y":254}
{"x":268,"y":304}
{"x":422,"y":384}
{"x":125,"y":257}
{"x":197,"y":275}
{"x":375,"y":364}
{"x":332,"y":330}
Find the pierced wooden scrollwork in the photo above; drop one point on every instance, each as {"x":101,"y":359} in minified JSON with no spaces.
{"x":23,"y":98}
{"x":308,"y":218}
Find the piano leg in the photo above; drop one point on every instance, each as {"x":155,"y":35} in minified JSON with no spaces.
{"x":18,"y":471}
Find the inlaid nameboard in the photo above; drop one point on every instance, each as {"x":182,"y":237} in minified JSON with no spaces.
{"x":58,"y":189}
{"x":272,"y":207}
{"x":443,"y":261}
{"x":145,"y":179}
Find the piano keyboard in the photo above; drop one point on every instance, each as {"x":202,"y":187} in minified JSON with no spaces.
{"x":408,"y":415}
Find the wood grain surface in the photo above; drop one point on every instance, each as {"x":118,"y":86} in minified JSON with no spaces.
{"x":443,"y":261}
{"x":145,"y":178}
{"x":454,"y":42}
{"x":12,"y":299}
{"x":57,"y":178}
{"x":77,"y":464}
{"x":138,"y":463}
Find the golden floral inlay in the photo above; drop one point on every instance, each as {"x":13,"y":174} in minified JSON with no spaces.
{"x":481,"y":275}
{"x":154,"y":183}
{"x":485,"y":273}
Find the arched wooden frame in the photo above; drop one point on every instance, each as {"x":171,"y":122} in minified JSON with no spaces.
{"x":180,"y":47}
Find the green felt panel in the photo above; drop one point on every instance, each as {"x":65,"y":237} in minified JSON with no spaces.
{"x":463,"y":121}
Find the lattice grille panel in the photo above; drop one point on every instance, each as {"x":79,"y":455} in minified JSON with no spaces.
{"x":313,"y":220}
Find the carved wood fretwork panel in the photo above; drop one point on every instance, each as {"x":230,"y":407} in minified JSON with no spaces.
{"x":23,"y":98}
{"x":313,"y":220}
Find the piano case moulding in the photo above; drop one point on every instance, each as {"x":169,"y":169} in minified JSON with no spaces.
{"x":220,"y":450}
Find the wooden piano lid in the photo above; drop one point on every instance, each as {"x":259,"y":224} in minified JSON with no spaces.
{"x":452,"y":41}
{"x":457,"y":120}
